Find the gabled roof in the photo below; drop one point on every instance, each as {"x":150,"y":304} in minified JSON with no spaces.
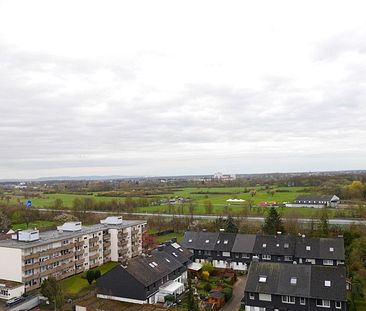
{"x":179,"y":253}
{"x":319,"y":248}
{"x":244,"y":243}
{"x":297,"y":280}
{"x":316,"y":198}
{"x":200,"y":240}
{"x":275,"y":245}
{"x":225,"y":242}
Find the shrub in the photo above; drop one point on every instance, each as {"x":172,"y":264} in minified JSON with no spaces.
{"x":207,"y":287}
{"x":228,"y":293}
{"x":90,"y":276}
{"x":169,"y":298}
{"x":207,"y":266}
{"x":97,"y":274}
{"x":205,"y":275}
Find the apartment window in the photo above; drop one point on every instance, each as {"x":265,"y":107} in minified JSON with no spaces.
{"x":288,"y":258}
{"x":28,"y":261}
{"x":327,"y":262}
{"x":251,"y":296}
{"x":302,"y":301}
{"x":288,"y":299}
{"x":324,"y":303}
{"x":338,"y":304}
{"x":266,"y":257}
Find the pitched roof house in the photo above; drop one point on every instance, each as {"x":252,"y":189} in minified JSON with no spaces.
{"x":295,"y":287}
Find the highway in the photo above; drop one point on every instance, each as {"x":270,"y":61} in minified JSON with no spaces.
{"x":332,"y":221}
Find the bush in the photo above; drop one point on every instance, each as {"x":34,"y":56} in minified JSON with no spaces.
{"x":228,"y":293}
{"x":207,"y":266}
{"x":207,"y":287}
{"x":205,"y":275}
{"x":170,"y":298}
{"x":97,"y":274}
{"x":90,"y":276}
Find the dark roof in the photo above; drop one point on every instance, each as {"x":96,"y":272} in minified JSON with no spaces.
{"x":320,"y":248}
{"x":181,"y":254}
{"x":216,"y":294}
{"x":244,"y":243}
{"x":200,"y":240}
{"x":315,"y":198}
{"x":225,"y":241}
{"x":274,"y":245}
{"x":310,"y":280}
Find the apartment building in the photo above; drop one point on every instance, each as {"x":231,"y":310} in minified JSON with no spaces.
{"x":237,"y":251}
{"x":71,"y":249}
{"x":281,"y":286}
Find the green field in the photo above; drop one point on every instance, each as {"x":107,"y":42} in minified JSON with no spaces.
{"x":217,"y":196}
{"x":34,"y":224}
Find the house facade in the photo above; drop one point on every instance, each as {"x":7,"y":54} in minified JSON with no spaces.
{"x":315,"y":201}
{"x":281,"y":286}
{"x":237,"y":251}
{"x":147,"y":279}
{"x":69,"y":250}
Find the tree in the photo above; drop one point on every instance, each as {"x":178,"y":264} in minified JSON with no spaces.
{"x":207,"y":266}
{"x":58,"y":203}
{"x":4,"y":220}
{"x":51,"y":289}
{"x":192,"y":304}
{"x":324,"y":225}
{"x":273,"y":222}
{"x":208,"y":207}
{"x":191,"y":207}
{"x":252,"y":193}
{"x":231,"y":225}
{"x":90,"y":276}
{"x":97,"y":274}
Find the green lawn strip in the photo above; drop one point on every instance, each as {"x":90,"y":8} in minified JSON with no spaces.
{"x":167,"y":237}
{"x":34,"y":224}
{"x":77,"y":284}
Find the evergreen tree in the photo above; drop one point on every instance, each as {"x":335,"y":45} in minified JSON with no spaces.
{"x":192,"y":303}
{"x":230,"y":225}
{"x":324,"y":225}
{"x":273,"y":222}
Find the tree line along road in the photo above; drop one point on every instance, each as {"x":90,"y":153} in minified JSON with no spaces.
{"x":332,"y":221}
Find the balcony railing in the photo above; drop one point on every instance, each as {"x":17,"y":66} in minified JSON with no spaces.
{"x":93,"y":248}
{"x":93,"y":240}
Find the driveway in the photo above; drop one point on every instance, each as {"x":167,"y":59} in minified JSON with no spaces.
{"x":238,"y":294}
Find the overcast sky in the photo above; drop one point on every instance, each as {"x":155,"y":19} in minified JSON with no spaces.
{"x":181,"y":87}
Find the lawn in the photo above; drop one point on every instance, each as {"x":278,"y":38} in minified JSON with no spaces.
{"x":77,"y":284}
{"x":162,"y":238}
{"x":34,"y":224}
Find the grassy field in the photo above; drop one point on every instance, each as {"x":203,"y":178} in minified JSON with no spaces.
{"x":77,"y":284}
{"x":217,"y":196}
{"x":35,"y":224}
{"x":167,"y":237}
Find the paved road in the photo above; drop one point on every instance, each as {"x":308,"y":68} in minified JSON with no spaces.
{"x":334,"y":221}
{"x":238,"y":293}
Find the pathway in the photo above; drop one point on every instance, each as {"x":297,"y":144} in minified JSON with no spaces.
{"x":238,"y":293}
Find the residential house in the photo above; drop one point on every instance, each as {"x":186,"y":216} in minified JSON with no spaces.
{"x":282,"y":286}
{"x":315,"y":201}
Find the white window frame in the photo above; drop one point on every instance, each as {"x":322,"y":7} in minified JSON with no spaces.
{"x":327,"y":262}
{"x":266,"y":257}
{"x":251,"y":296}
{"x":288,"y":299}
{"x":338,"y":304}
{"x":323,"y":305}
{"x":302,"y":301}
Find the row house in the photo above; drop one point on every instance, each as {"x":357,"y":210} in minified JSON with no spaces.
{"x":280,"y":286}
{"x":147,"y":279}
{"x":237,"y":251}
{"x":69,"y":250}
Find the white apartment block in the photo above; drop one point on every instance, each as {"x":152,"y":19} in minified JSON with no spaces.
{"x":32,"y":256}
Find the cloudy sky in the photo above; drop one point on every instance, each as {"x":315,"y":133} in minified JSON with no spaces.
{"x":181,"y":87}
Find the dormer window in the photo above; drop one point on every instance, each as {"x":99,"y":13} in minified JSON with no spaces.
{"x":207,"y":241}
{"x":218,"y":241}
{"x":264,"y":245}
{"x":331,"y":249}
{"x":190,"y":241}
{"x":293,"y":281}
{"x":308,"y":248}
{"x":286,"y":245}
{"x":226,"y":241}
{"x":277,"y":245}
{"x":262,"y":279}
{"x":327,"y":283}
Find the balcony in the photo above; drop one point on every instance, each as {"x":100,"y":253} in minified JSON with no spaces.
{"x":94,"y":265}
{"x":106,"y":252}
{"x":79,"y":252}
{"x":135,"y":231}
{"x":92,"y":257}
{"x":93,"y":248}
{"x":67,"y":265}
{"x":34,"y":265}
{"x":107,"y":237}
{"x":79,"y":243}
{"x":79,"y":261}
{"x":106,"y":244}
{"x":30,"y":277}
{"x":93,"y":240}
{"x":30,"y":256}
{"x":123,"y":235}
{"x":69,"y":247}
{"x":79,"y":269}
